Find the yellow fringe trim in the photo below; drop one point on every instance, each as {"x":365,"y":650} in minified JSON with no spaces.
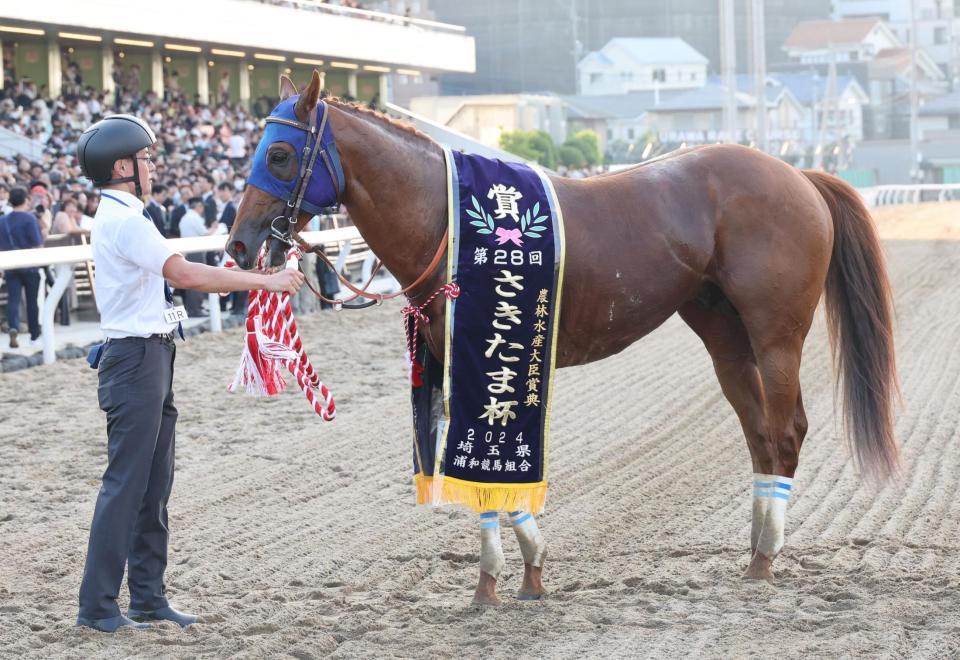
{"x":481,"y":497}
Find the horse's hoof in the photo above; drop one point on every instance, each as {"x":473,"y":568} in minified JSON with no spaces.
{"x":485,"y":600}
{"x":531,"y":595}
{"x":486,"y":592}
{"x":760,"y":568}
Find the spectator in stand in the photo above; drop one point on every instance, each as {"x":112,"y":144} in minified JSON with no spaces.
{"x":224,"y":88}
{"x":67,"y":219}
{"x":176,"y":215}
{"x":207,"y":184}
{"x":228,"y":210}
{"x":192,"y":224}
{"x":5,"y":207}
{"x":42,"y":203}
{"x":86,"y":202}
{"x":228,"y":214}
{"x":156,"y":210}
{"x":20,"y":230}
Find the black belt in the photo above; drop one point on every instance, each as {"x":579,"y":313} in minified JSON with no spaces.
{"x":96,"y":351}
{"x":157,"y":336}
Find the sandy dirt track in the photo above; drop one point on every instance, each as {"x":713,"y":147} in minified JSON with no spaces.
{"x":299,"y":538}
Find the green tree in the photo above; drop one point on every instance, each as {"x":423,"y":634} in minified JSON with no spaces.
{"x":587,"y":143}
{"x":517,"y":143}
{"x":546,"y":150}
{"x":532,"y":145}
{"x":571,"y":157}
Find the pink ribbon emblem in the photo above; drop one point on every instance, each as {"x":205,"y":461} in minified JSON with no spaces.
{"x":504,"y":235}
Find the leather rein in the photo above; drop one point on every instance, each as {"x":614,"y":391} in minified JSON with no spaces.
{"x":370,"y":298}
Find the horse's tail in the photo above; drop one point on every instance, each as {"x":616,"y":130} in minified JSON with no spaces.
{"x":860,"y":322}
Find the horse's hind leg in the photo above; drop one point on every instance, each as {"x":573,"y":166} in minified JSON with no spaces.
{"x":779,"y":366}
{"x":726,"y":339}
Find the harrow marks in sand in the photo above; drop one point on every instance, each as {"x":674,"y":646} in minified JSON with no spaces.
{"x":301,"y":538}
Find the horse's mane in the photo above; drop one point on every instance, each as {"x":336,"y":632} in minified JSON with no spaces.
{"x":394,"y":125}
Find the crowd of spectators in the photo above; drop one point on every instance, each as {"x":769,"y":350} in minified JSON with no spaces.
{"x":202,"y":160}
{"x":199,"y":147}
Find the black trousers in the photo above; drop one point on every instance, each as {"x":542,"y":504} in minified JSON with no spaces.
{"x":130,"y":519}
{"x":193,"y":300}
{"x":19,"y":281}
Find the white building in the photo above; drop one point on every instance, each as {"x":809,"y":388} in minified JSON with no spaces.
{"x":938,"y":25}
{"x":484,"y":117}
{"x":857,"y":40}
{"x":633,"y":64}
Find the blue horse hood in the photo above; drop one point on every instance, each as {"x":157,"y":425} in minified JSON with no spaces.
{"x":324,"y":188}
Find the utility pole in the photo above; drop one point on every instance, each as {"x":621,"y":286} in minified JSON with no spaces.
{"x":728,"y":66}
{"x":756,"y":20}
{"x":827,"y":103}
{"x":577,"y":45}
{"x":914,"y":99}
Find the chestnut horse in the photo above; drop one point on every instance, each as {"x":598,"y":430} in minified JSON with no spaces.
{"x":741,"y":245}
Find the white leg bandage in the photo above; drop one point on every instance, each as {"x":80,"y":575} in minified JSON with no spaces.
{"x":491,"y":550}
{"x":771,"y":493}
{"x":532,"y":546}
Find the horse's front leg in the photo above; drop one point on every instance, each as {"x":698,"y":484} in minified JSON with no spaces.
{"x":491,"y":559}
{"x":534,"y":551}
{"x":533,"y":548}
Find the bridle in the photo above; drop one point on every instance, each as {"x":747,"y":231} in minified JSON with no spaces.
{"x":283,"y":227}
{"x":312,"y":148}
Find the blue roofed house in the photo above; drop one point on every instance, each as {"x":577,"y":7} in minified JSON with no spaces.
{"x":628,"y":64}
{"x":844,"y":108}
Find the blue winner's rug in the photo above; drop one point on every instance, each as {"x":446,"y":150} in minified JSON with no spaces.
{"x":482,"y":419}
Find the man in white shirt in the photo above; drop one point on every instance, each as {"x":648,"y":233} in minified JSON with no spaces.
{"x":193,"y":224}
{"x":129,"y":525}
{"x":237,"y":150}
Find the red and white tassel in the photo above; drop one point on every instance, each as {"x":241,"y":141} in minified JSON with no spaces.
{"x":271,"y":343}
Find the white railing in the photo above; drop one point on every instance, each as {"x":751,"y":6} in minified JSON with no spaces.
{"x":341,"y":10}
{"x":910,"y":194}
{"x":14,"y":144}
{"x":64,"y":258}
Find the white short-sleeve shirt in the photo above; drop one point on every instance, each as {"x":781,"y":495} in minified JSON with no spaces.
{"x":129,"y":254}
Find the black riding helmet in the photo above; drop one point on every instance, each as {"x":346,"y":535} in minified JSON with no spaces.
{"x":109,"y":140}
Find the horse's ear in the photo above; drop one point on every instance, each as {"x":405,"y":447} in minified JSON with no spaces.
{"x":309,"y":97}
{"x":287,"y":88}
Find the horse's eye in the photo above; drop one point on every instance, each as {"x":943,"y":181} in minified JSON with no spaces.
{"x":278,"y":157}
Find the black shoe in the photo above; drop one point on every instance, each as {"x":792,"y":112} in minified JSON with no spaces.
{"x":13,"y":339}
{"x":164,"y":614}
{"x":111,"y":624}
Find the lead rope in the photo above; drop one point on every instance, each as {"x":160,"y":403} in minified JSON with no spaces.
{"x":272,"y":341}
{"x":452,"y":291}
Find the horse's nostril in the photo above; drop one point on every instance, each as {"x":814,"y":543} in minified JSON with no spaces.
{"x":239,"y":247}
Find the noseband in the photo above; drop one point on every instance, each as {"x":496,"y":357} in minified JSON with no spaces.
{"x":282,"y":226}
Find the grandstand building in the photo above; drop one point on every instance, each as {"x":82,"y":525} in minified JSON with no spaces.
{"x":221,"y":50}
